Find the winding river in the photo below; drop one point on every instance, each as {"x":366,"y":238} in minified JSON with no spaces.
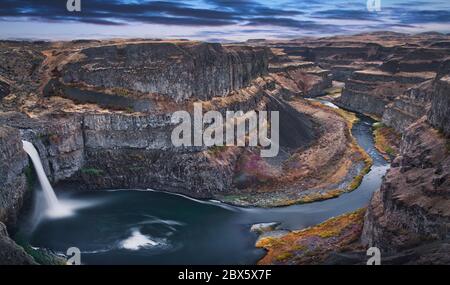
{"x":148,"y":227}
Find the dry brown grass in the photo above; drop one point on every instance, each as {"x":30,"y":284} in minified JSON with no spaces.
{"x":298,"y":246}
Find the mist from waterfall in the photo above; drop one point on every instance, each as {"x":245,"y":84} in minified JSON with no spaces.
{"x":55,"y":208}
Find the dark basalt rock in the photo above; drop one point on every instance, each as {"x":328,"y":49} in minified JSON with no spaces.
{"x":10,"y":252}
{"x":4,"y":89}
{"x":179,"y":71}
{"x":13,"y":186}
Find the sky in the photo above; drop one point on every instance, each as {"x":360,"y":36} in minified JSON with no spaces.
{"x":217,"y":20}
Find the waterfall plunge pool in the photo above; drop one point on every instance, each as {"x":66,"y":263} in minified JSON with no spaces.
{"x":148,"y":227}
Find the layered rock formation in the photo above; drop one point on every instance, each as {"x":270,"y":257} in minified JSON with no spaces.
{"x":408,"y":107}
{"x":107,"y":145}
{"x":99,"y":114}
{"x":180,"y":70}
{"x":439,"y":113}
{"x":4,"y":89}
{"x":13,"y":163}
{"x":298,"y":77}
{"x":369,"y":91}
{"x":377,"y":67}
{"x":412,"y":207}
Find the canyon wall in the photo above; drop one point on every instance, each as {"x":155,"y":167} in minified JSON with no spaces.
{"x":106,"y":146}
{"x":439,"y":115}
{"x":179,"y":70}
{"x":13,"y":184}
{"x":376,"y":67}
{"x":412,"y":207}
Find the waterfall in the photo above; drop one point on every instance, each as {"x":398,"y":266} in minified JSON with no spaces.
{"x":55,"y":209}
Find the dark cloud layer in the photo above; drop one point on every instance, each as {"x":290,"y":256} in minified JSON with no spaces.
{"x":293,"y":15}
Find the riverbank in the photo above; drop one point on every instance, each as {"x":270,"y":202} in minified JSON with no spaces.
{"x":315,"y":244}
{"x":333,"y":165}
{"x":387,"y":141}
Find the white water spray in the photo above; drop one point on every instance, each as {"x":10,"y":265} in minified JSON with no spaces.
{"x":55,"y":208}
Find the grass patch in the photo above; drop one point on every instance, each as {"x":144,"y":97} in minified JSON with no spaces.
{"x":269,"y":242}
{"x":284,"y":256}
{"x":41,"y":256}
{"x":303,"y":246}
{"x":299,"y":247}
{"x":386,"y":140}
{"x":92,"y":171}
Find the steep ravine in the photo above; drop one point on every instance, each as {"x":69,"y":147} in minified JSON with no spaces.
{"x":178,"y":236}
{"x":88,"y":139}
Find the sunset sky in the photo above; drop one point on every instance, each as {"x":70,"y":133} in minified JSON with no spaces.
{"x":216,"y":20}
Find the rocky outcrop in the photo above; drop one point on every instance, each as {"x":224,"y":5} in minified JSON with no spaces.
{"x":296,"y":76}
{"x":412,"y":206}
{"x":57,"y":137}
{"x":439,"y":115}
{"x":4,"y":89}
{"x":408,"y":107}
{"x":13,"y":184}
{"x":376,"y":67}
{"x":369,"y":91}
{"x":124,"y":151}
{"x":20,"y":64}
{"x":429,"y":97}
{"x":10,"y":252}
{"x":178,"y":70}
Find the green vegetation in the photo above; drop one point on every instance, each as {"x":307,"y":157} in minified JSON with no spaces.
{"x":284,"y":256}
{"x":30,"y":176}
{"x":358,"y":179}
{"x":92,"y":171}
{"x":377,"y":125}
{"x":385,"y":137}
{"x":41,"y":256}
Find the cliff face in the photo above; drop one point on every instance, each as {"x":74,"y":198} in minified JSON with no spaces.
{"x":439,"y":115}
{"x":408,"y":107}
{"x":57,"y":137}
{"x":376,"y":67}
{"x":4,"y":89}
{"x":13,"y":185}
{"x":177,"y":70}
{"x":125,"y":151}
{"x":412,"y":207}
{"x":298,"y":77}
{"x":369,"y":91}
{"x":429,"y":97}
{"x":10,"y":252}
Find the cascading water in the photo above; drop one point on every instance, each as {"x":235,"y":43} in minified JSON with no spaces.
{"x":55,"y":209}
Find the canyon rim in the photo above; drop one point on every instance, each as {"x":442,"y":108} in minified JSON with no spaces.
{"x":116,"y":142}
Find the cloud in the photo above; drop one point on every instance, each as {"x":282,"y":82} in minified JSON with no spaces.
{"x":281,"y":17}
{"x":346,"y":14}
{"x":157,"y":12}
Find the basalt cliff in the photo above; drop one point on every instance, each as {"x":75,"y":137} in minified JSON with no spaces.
{"x":99,"y":113}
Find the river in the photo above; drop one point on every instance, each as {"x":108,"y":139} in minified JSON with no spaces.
{"x":149,"y":227}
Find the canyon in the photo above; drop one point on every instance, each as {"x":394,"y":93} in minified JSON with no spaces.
{"x":99,"y":114}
